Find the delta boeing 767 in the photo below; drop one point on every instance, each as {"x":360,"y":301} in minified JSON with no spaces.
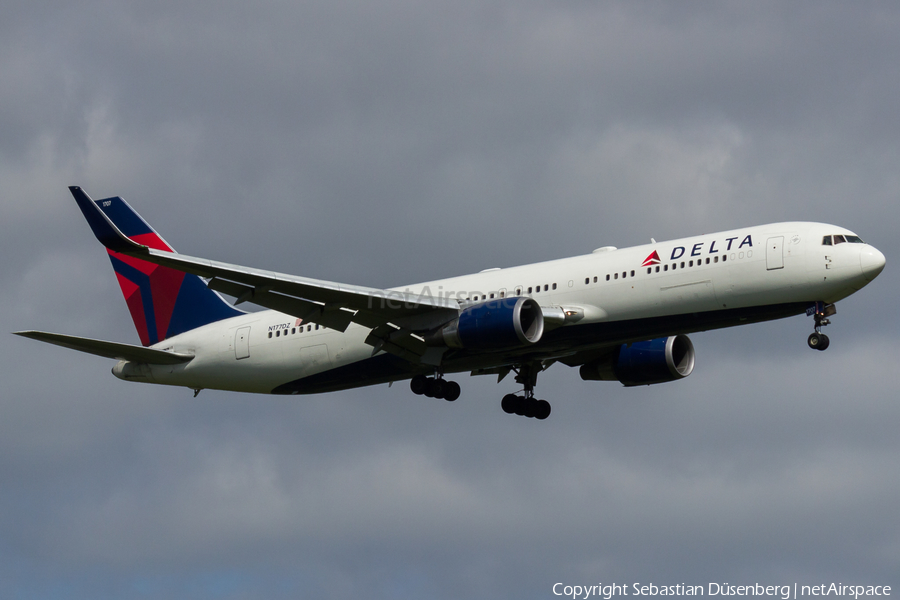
{"x":617,"y":314}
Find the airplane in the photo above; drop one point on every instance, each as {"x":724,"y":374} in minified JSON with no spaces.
{"x":616,"y":314}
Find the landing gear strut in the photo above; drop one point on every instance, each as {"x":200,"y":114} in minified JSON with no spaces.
{"x":435,"y":387}
{"x":818,"y":340}
{"x":526,"y":405}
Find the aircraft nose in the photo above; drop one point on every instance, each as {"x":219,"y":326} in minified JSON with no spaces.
{"x":872,"y":263}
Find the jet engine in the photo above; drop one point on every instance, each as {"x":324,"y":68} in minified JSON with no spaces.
{"x":644,"y":363}
{"x":495,"y":324}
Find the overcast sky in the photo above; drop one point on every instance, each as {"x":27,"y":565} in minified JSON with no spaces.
{"x":394,"y":142}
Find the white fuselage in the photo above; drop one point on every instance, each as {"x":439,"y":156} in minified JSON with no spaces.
{"x":611,"y":296}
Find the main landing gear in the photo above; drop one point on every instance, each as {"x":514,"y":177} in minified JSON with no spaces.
{"x":526,"y":405}
{"x":434,"y":387}
{"x":818,"y":340}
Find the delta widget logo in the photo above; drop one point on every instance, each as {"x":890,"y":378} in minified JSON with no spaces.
{"x":651,"y":260}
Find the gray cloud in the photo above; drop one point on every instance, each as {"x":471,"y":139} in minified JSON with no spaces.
{"x":402,"y":142}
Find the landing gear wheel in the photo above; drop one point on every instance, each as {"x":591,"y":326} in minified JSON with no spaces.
{"x":451,"y":391}
{"x":823,"y":345}
{"x":418,"y":385}
{"x":520,"y":406}
{"x":541,"y":410}
{"x":818,"y":341}
{"x":435,"y":388}
{"x":509,"y":403}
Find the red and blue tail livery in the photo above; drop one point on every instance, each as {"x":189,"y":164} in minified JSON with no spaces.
{"x":163,"y":302}
{"x":599,"y":313}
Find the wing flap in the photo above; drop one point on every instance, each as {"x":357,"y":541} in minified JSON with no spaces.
{"x":105,"y":349}
{"x":389,"y":304}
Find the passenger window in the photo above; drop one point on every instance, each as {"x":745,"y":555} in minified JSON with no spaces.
{"x":665,"y":267}
{"x":682,"y":264}
{"x":674,"y":266}
{"x":691,"y":264}
{"x":309,"y":327}
{"x":617,"y":276}
{"x":632,"y":273}
{"x":587,"y":280}
{"x":716,"y":259}
{"x":839,"y":239}
{"x":649,"y":270}
{"x":529,"y":290}
{"x":724,"y":257}
{"x":826,"y":241}
{"x":623,"y":274}
{"x":707,"y":261}
{"x":293,"y":330}
{"x":607,"y":277}
{"x":554,"y":285}
{"x":657,"y":268}
{"x":270,"y":334}
{"x":595,"y":279}
{"x":317,"y":326}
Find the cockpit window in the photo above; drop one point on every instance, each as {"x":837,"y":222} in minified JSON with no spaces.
{"x":840,"y":239}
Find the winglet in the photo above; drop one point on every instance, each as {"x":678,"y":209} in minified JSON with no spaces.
{"x":106,"y":231}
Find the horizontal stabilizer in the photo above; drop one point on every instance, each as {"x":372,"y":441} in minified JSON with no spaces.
{"x":109,"y":349}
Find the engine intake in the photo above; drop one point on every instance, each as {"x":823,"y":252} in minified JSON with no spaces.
{"x":495,"y":324}
{"x":644,"y":363}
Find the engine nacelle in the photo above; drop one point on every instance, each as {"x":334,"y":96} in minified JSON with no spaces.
{"x":495,"y":324}
{"x":644,"y":363}
{"x":133,"y":371}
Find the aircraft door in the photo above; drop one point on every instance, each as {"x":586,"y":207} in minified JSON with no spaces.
{"x":242,"y":343}
{"x":775,"y":253}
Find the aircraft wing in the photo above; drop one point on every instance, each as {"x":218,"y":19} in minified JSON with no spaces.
{"x":109,"y":349}
{"x":393,"y":316}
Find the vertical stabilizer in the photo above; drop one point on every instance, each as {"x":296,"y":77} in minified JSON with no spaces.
{"x":163,"y":302}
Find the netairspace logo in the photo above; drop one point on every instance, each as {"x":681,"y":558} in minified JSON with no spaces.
{"x":784,"y":592}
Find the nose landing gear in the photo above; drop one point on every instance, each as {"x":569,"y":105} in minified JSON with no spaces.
{"x":821,"y":311}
